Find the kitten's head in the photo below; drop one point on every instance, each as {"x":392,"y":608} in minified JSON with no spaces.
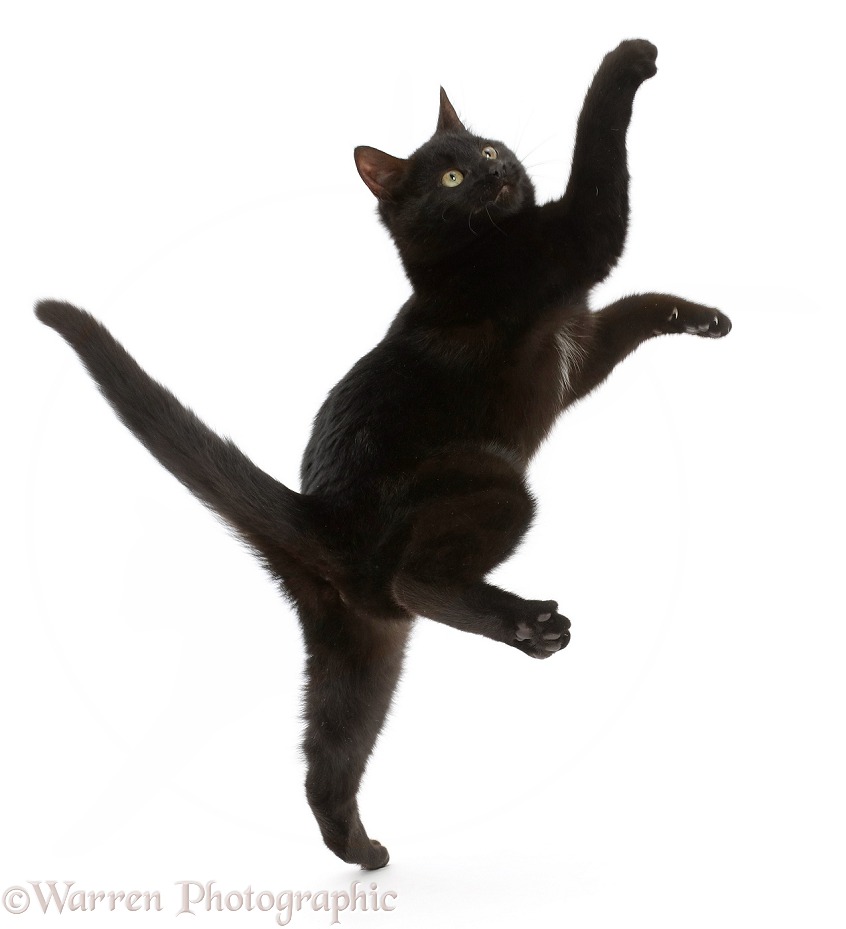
{"x":455,"y":189}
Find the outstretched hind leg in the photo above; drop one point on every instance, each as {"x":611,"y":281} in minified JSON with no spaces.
{"x":353,"y":667}
{"x":470,"y":509}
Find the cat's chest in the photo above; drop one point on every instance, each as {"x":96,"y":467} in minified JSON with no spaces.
{"x":536,"y":385}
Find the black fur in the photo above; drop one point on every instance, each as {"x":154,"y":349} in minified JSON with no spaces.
{"x":413,"y":481}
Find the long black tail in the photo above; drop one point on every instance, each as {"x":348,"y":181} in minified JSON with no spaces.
{"x":270,"y":517}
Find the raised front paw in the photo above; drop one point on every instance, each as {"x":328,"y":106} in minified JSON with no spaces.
{"x":541,"y":631}
{"x":635,"y":59}
{"x":697,"y":320}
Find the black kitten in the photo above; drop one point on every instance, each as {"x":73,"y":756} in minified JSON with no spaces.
{"x":413,"y":482}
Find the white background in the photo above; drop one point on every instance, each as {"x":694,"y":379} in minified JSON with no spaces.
{"x":179,"y":170}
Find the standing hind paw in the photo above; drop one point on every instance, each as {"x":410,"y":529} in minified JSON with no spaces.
{"x":541,"y":631}
{"x":374,"y":857}
{"x":368,"y":853}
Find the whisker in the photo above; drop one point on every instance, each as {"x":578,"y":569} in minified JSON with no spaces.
{"x":532,"y":151}
{"x":494,"y":221}
{"x":520,"y":137}
{"x":540,"y":164}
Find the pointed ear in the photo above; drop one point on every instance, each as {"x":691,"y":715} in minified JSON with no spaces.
{"x":380,"y":171}
{"x":448,"y":120}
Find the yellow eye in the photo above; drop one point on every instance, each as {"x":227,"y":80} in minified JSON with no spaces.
{"x":452,"y":179}
{"x":489,"y":152}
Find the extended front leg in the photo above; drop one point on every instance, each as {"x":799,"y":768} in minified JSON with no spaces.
{"x":593,"y":214}
{"x":594,"y":343}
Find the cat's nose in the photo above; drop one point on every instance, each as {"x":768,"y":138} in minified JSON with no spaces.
{"x":497,"y":169}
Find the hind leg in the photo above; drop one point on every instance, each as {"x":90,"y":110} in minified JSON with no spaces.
{"x":532,"y":626}
{"x":352,"y":670}
{"x":471,"y":508}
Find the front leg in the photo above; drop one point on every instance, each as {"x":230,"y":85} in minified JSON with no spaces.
{"x":593,"y":344}
{"x":594,"y":211}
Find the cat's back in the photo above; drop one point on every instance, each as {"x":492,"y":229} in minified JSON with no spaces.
{"x":393,"y":408}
